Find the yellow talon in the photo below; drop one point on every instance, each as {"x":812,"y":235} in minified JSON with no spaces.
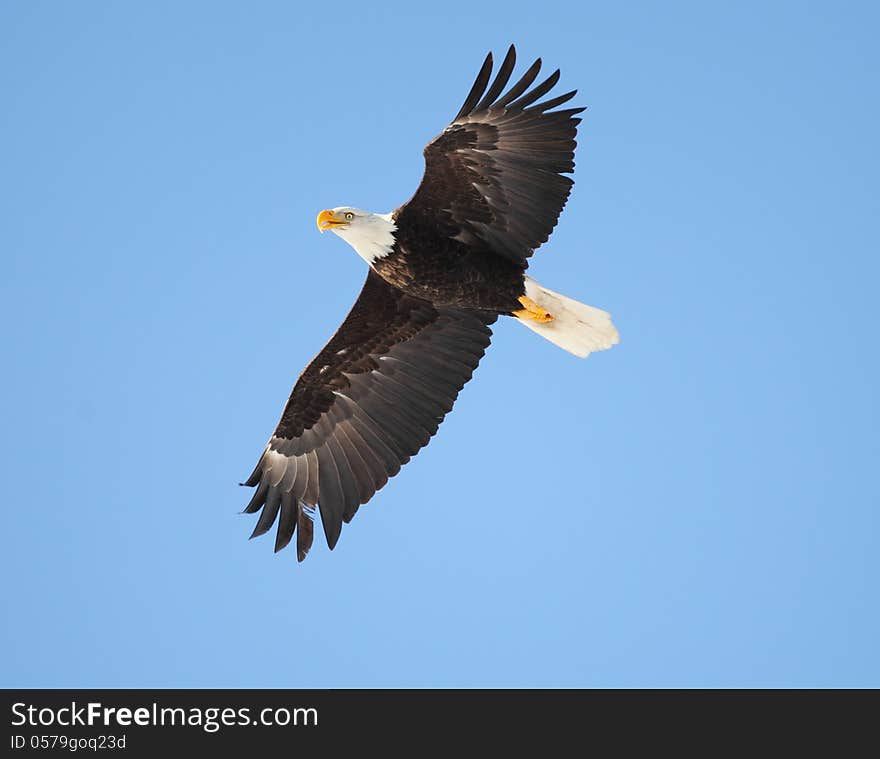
{"x":532,"y":311}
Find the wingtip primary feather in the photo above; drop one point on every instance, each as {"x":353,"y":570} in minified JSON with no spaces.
{"x":286,"y":521}
{"x":501,"y":79}
{"x":538,"y":92}
{"x":258,"y":498}
{"x":255,"y":475}
{"x":478,"y":88}
{"x":521,"y":86}
{"x":305,"y":531}
{"x":552,"y":103}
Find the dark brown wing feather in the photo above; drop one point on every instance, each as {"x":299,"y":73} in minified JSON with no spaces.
{"x":494,"y":176}
{"x":367,"y":403}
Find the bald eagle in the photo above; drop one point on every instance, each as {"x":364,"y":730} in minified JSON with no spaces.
{"x":442,"y":268}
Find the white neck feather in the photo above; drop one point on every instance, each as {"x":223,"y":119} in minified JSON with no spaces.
{"x":371,"y":236}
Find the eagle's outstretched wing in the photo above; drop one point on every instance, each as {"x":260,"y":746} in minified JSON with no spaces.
{"x":368,"y":402}
{"x":494,"y":176}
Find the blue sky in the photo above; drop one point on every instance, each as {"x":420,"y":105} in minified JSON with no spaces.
{"x":696,"y":507}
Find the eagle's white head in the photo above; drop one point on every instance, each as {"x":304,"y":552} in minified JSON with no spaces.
{"x":370,"y":234}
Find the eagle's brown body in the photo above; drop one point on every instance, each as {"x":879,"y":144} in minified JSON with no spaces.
{"x":451,"y":273}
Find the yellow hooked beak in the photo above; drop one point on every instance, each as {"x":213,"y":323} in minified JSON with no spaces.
{"x":328,"y":220}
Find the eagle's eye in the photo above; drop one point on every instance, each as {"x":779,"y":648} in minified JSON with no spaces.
{"x":349,"y":215}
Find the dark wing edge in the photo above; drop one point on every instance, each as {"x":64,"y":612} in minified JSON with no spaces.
{"x":495,"y":174}
{"x":368,"y":402}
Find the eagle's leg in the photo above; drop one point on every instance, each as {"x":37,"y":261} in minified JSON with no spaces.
{"x":532,"y":311}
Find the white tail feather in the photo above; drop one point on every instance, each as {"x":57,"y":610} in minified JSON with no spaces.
{"x":576,"y":327}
